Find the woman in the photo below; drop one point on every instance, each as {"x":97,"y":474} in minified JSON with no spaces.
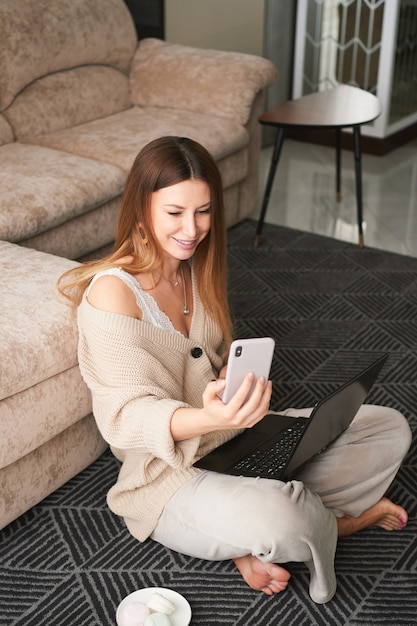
{"x":154,"y":329}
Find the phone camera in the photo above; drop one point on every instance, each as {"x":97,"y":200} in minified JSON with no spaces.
{"x":238,"y":351}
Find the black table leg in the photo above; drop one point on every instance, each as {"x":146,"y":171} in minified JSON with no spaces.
{"x":338,"y":163}
{"x":274,"y":162}
{"x":358,"y":171}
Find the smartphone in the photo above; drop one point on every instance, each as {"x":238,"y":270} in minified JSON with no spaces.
{"x":247,"y":355}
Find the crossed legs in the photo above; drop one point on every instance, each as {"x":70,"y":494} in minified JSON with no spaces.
{"x":261,"y":523}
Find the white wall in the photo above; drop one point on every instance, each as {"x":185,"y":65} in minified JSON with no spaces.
{"x":236,"y":25}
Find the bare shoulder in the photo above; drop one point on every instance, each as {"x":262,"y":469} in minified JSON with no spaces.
{"x":110,"y":293}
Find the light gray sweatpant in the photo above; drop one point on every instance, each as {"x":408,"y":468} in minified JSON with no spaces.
{"x":215,"y":516}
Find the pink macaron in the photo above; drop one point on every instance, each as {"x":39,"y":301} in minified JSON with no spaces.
{"x":134,"y":614}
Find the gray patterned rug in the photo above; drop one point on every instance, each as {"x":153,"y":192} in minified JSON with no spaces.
{"x":332,"y":309}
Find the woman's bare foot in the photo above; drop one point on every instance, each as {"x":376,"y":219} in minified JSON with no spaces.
{"x":384,"y":514}
{"x":267,"y":577}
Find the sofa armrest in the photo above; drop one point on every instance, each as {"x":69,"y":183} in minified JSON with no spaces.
{"x":213,"y":82}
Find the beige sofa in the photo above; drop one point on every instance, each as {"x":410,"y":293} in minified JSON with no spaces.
{"x":79,"y":97}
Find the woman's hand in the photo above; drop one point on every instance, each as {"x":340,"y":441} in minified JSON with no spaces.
{"x":216,"y":415}
{"x":238,"y":412}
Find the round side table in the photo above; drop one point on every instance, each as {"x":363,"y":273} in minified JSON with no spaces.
{"x":341,"y":107}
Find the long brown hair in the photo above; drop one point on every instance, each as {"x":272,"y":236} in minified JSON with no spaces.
{"x":162,"y":163}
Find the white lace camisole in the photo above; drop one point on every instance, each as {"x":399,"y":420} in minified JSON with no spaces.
{"x":151,"y":312}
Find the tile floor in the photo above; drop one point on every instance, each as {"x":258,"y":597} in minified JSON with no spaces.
{"x":303,"y":194}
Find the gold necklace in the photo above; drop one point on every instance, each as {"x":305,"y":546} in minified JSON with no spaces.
{"x":185,"y":308}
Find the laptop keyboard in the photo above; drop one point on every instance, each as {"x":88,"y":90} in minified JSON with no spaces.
{"x":269,"y":461}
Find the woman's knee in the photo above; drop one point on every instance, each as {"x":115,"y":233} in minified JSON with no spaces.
{"x":400,"y":433}
{"x":295,"y":511}
{"x":294,"y":520}
{"x":388,"y":425}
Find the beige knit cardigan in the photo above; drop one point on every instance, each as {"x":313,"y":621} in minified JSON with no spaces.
{"x":138,"y":376}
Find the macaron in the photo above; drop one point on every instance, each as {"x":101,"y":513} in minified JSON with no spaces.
{"x":158,"y":619}
{"x":160,"y":604}
{"x":134,"y":614}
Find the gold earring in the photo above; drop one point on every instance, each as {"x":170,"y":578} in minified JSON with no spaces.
{"x":142,"y":234}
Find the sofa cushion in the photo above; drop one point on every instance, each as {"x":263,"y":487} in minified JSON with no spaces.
{"x":34,"y":476}
{"x":41,"y":412}
{"x":38,"y":331}
{"x":211,"y":82}
{"x":39,"y":38}
{"x":83,"y":235}
{"x":42,"y":188}
{"x":68,"y":98}
{"x":6,"y":133}
{"x":118,"y":138}
{"x":41,"y":389}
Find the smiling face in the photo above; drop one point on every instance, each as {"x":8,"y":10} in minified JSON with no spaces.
{"x":181,"y":217}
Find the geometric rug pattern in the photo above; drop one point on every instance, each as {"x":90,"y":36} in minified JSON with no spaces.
{"x":332,"y":308}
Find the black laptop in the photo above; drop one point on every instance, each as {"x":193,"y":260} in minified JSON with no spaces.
{"x":278,"y":445}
